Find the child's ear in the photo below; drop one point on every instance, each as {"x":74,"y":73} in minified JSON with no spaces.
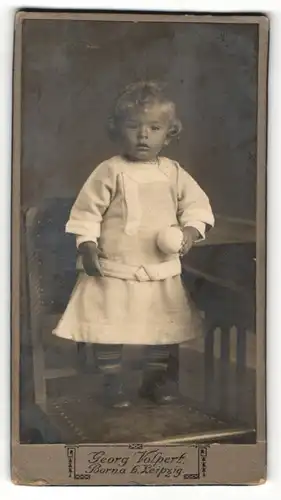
{"x":175,"y":129}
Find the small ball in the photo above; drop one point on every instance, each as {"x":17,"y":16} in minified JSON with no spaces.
{"x":169,"y":240}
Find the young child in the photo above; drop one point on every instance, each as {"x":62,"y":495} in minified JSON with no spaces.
{"x":129,"y":290}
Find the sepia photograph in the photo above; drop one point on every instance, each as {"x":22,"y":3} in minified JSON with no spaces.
{"x":138,"y":288}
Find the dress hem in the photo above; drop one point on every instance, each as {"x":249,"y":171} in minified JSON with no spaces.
{"x":124,"y":341}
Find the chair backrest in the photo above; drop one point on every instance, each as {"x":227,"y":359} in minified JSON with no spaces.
{"x":222,"y":281}
{"x":51,"y":253}
{"x":224,"y":288}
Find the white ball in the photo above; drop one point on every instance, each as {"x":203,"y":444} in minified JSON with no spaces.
{"x":169,"y":240}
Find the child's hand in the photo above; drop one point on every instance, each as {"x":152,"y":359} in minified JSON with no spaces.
{"x":190,"y":235}
{"x":90,"y":257}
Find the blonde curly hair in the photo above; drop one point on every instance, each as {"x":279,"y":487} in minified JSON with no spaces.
{"x":137,"y":95}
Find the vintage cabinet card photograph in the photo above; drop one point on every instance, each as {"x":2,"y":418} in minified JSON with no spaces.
{"x":138,"y":248}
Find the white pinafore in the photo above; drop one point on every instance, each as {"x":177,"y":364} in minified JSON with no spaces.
{"x":141,"y":299}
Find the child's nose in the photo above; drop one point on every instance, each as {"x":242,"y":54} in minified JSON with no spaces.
{"x":142,"y":132}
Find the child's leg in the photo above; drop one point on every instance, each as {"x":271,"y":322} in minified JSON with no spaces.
{"x":157,"y":384}
{"x":173,"y":363}
{"x":109,"y":360}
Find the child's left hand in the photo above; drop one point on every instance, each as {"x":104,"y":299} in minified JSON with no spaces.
{"x":190,"y":235}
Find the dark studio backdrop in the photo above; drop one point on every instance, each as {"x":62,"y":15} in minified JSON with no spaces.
{"x":72,"y":71}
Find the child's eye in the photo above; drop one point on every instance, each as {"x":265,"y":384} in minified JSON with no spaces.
{"x":155,"y":127}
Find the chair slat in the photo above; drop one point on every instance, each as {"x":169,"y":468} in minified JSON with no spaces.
{"x":224,"y":368}
{"x":209,"y":366}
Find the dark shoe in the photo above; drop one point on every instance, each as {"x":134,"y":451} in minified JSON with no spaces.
{"x":156,"y":388}
{"x":168,"y":395}
{"x":114,"y":395}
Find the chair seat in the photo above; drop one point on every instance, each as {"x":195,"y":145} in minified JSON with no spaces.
{"x":84,"y":420}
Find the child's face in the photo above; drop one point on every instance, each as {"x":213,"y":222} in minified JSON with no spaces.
{"x":144,"y":132}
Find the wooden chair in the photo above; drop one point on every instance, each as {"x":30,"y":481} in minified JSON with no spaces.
{"x":51,"y":275}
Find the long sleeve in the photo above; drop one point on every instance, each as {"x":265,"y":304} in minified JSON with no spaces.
{"x":194,"y":208}
{"x":92,"y":201}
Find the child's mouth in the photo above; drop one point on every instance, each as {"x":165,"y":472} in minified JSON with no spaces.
{"x":142,"y":147}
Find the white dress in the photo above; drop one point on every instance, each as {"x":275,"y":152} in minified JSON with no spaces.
{"x":140,"y":300}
